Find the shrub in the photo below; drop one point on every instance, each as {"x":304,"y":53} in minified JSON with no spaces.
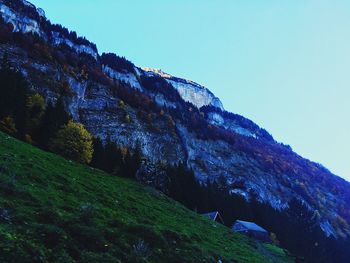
{"x":7,"y":125}
{"x":141,"y":251}
{"x":274,"y":239}
{"x":121,"y":104}
{"x":5,"y":216}
{"x":87,"y":213}
{"x":35,"y":104}
{"x":28,"y":139}
{"x":10,"y":186}
{"x":127,"y":118}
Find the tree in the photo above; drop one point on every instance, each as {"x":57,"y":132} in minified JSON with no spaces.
{"x":107,"y":157}
{"x":98,"y":157}
{"x":35,"y":111}
{"x":183,"y":185}
{"x":74,"y":142}
{"x":13,"y":95}
{"x":132,"y":162}
{"x":55,"y":117}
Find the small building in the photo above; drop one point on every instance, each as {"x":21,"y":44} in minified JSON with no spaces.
{"x":214,"y":216}
{"x":251,"y":230}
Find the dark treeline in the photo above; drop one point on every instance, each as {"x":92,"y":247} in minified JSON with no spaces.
{"x":242,"y":121}
{"x":70,"y":35}
{"x":296,"y":228}
{"x":14,"y":91}
{"x":116,"y":160}
{"x":117,"y":63}
{"x":24,"y":114}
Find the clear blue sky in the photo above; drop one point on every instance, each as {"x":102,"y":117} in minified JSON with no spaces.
{"x":283,"y":64}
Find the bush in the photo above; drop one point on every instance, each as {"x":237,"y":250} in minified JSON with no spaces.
{"x":74,"y":142}
{"x":87,"y":213}
{"x":141,"y":251}
{"x":7,"y":125}
{"x":127,"y":118}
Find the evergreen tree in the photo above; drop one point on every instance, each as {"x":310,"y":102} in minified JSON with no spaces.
{"x":135,"y":161}
{"x":13,"y":94}
{"x":113,"y":158}
{"x":183,"y":186}
{"x":35,"y":108}
{"x":55,"y":117}
{"x":98,"y":158}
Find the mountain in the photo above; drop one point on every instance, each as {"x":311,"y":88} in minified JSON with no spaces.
{"x":176,"y":120}
{"x":53,"y":215}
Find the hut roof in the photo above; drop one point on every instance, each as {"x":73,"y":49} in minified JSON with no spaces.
{"x":215,"y":216}
{"x":211,"y":215}
{"x":251,"y":226}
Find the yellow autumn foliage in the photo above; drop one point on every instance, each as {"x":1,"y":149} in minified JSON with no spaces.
{"x":73,"y":142}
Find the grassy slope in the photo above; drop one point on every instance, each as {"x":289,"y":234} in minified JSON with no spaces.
{"x":53,"y":210}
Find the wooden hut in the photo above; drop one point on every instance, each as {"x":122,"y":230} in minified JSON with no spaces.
{"x":251,"y":229}
{"x":215,"y":216}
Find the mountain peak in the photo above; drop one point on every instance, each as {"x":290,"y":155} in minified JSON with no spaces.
{"x":157,"y":72}
{"x":189,"y":90}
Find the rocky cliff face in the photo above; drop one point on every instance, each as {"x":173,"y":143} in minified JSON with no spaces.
{"x":171,"y":118}
{"x":188,"y":90}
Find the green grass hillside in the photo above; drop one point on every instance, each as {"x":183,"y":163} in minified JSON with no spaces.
{"x":53,"y":210}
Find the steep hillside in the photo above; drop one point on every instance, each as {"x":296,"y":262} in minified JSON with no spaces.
{"x":53,"y":210}
{"x":173,"y":120}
